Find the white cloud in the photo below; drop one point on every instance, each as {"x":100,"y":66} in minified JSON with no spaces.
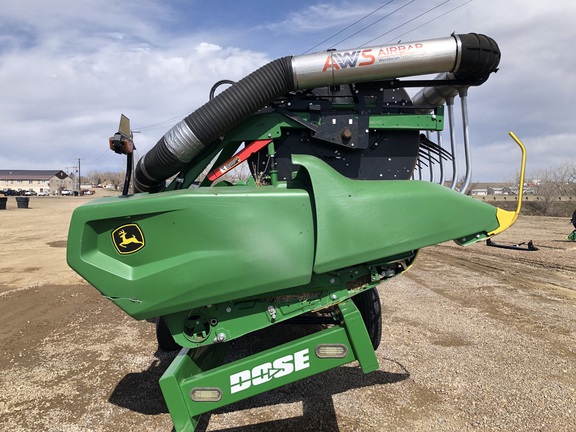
{"x":66,"y":91}
{"x":68,"y":68}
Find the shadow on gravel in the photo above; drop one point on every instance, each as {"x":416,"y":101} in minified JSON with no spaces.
{"x":315,"y":393}
{"x":140,"y":392}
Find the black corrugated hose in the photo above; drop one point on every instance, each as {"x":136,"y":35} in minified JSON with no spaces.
{"x":213,"y":119}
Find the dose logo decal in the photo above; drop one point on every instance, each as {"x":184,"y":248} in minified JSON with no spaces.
{"x":267,"y":371}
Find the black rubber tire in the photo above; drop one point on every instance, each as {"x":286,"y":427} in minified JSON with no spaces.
{"x":368,"y":303}
{"x":165,"y":340}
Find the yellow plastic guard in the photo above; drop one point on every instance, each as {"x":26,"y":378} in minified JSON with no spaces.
{"x":505,"y":217}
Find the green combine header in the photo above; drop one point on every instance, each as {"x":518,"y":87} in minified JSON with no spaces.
{"x":346,"y":178}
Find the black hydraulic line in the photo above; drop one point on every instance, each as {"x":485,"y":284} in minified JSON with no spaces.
{"x":128,"y":177}
{"x":218,"y":84}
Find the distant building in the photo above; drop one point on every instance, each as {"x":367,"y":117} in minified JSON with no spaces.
{"x":483,"y":189}
{"x":480,"y":192}
{"x":52,"y":181}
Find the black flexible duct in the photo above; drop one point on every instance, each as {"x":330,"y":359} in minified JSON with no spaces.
{"x":171,"y":154}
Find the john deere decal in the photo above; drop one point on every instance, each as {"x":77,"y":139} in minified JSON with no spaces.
{"x":128,"y":239}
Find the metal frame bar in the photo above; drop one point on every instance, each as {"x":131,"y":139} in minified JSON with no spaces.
{"x":196,"y":369}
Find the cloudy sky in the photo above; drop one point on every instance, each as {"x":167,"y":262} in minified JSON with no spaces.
{"x":69,"y":68}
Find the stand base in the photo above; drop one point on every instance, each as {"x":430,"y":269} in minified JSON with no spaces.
{"x":197,"y":381}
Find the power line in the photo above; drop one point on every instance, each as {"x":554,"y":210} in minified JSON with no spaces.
{"x":168,"y":122}
{"x":409,"y":21}
{"x":109,"y":157}
{"x":428,"y":22}
{"x":100,"y":157}
{"x":162,"y":123}
{"x":386,"y":16}
{"x":376,"y":22}
{"x":351,"y":25}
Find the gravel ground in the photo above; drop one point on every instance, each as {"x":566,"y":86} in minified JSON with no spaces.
{"x":475,"y":338}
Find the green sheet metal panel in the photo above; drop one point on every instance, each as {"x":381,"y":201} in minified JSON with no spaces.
{"x":200,"y":246}
{"x":360,"y":220}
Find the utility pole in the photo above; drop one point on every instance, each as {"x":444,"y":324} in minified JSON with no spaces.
{"x":70,"y":169}
{"x":79,"y":177}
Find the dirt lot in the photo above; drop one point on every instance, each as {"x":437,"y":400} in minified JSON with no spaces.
{"x":474,"y":338}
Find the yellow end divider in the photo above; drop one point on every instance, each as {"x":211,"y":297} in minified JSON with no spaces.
{"x":507,"y":218}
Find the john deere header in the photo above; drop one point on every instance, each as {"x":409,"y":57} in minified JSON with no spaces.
{"x":343,"y":177}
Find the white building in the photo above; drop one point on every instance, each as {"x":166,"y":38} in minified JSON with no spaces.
{"x":52,"y":181}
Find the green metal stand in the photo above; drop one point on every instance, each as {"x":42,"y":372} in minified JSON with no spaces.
{"x":197,"y":382}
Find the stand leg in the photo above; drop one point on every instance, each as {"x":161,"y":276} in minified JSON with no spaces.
{"x":197,"y":382}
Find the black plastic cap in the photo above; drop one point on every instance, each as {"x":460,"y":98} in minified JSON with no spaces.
{"x":480,"y":57}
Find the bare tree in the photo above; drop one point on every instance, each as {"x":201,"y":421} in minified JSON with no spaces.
{"x":565,"y":178}
{"x":549,"y":186}
{"x":116,"y":179}
{"x":460,"y":182}
{"x":95,"y":177}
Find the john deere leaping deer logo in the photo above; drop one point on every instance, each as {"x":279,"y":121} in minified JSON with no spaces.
{"x":128,"y":239}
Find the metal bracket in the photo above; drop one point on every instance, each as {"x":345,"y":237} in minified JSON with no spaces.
{"x":519,"y":246}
